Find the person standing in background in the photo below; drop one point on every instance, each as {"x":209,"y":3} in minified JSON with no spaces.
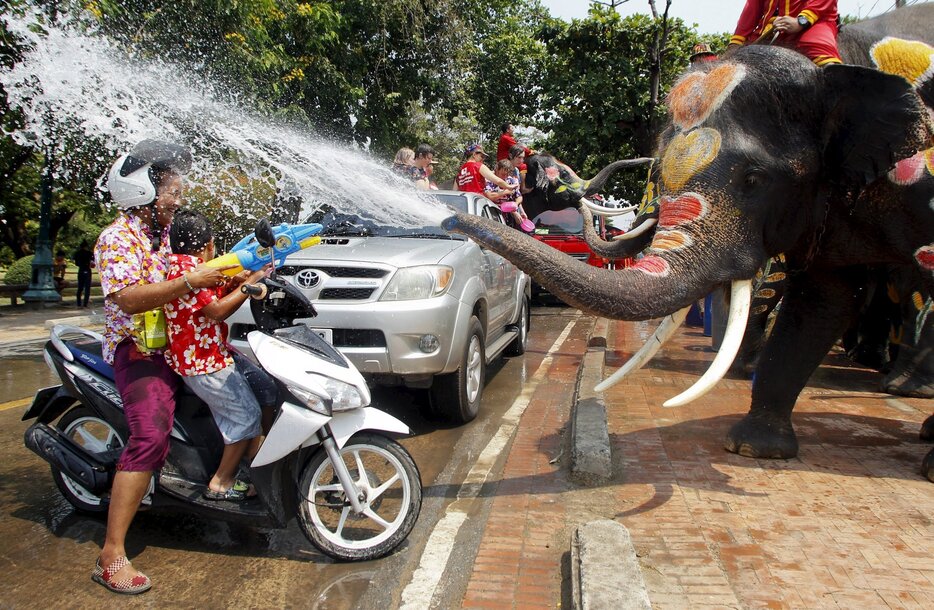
{"x":424,"y":157}
{"x":506,"y":141}
{"x":84,"y":260}
{"x":59,"y":266}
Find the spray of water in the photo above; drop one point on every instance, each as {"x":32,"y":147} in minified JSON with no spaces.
{"x":71,"y":76}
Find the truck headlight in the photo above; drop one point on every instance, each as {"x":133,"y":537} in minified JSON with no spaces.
{"x":423,"y":282}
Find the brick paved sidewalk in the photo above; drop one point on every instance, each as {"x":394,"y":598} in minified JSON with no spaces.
{"x":847,"y":524}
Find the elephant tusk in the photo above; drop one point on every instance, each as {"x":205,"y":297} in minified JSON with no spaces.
{"x":640,"y":230}
{"x":603,"y":210}
{"x":740,"y":298}
{"x":664,"y":331}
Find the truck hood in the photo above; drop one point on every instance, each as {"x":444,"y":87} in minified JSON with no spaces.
{"x":395,"y":251}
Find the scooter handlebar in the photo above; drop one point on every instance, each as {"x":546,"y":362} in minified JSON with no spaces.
{"x":256,"y":291}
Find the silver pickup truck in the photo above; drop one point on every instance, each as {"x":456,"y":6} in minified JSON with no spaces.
{"x":416,"y":307}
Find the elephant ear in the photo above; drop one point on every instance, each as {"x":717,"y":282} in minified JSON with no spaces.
{"x":873,"y":120}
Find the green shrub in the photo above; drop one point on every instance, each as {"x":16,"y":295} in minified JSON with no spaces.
{"x":19,"y":272}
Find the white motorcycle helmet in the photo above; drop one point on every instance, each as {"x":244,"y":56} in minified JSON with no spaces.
{"x":130,"y":181}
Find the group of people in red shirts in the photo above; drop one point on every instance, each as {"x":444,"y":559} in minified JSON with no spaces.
{"x":504,"y":185}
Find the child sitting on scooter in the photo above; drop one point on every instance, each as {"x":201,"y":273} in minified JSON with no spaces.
{"x":508,"y":199}
{"x":198,"y":352}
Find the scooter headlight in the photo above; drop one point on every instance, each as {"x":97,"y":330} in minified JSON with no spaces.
{"x":312,"y":401}
{"x":343,"y":395}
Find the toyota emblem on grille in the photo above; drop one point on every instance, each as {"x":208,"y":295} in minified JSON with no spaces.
{"x":307,"y":278}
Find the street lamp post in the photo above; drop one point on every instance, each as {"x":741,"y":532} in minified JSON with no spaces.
{"x":42,"y":286}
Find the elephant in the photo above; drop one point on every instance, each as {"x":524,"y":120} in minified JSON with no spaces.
{"x":912,"y":372}
{"x":763,"y":154}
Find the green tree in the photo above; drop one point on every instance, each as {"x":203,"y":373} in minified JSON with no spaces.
{"x":603,"y":94}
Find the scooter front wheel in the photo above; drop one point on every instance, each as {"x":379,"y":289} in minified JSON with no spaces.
{"x":389,"y":488}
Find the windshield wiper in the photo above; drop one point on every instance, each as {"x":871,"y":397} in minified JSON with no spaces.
{"x":421,"y":235}
{"x":347,"y":232}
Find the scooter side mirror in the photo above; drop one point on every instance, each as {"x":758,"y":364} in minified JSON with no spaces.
{"x":264,"y":234}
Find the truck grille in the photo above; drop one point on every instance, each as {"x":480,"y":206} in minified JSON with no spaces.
{"x":345,"y":294}
{"x":367,"y":272}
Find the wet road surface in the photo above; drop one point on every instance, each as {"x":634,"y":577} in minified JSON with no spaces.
{"x":49,"y":550}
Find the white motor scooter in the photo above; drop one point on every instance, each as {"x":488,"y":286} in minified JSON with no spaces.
{"x":326,"y":460}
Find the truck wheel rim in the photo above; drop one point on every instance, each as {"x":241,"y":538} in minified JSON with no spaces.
{"x":474,"y":368}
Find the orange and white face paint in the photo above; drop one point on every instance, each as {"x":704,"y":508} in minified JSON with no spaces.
{"x":687,"y":154}
{"x":908,"y":171}
{"x":682,"y":210}
{"x":652,"y":265}
{"x":673,"y":213}
{"x":910,"y":59}
{"x":698,"y":94}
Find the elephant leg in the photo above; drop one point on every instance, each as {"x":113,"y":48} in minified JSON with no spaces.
{"x":912,"y":372}
{"x":927,"y":429}
{"x":817,"y":308}
{"x":927,"y":466}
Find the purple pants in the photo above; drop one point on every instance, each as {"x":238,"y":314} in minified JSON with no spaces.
{"x":147,"y":386}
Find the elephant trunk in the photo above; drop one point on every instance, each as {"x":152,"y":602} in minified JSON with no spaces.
{"x":650,"y":289}
{"x":595,"y":184}
{"x":611,"y":249}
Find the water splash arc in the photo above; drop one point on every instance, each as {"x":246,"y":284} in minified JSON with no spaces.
{"x":73,"y":76}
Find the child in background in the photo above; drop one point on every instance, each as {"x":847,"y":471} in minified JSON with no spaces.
{"x":198,"y":352}
{"x":509,"y":199}
{"x":59,"y":266}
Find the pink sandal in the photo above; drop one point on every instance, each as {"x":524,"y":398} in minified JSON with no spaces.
{"x":128,"y":586}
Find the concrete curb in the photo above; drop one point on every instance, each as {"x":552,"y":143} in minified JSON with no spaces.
{"x":605,"y":572}
{"x":605,"y":569}
{"x":590,"y":439}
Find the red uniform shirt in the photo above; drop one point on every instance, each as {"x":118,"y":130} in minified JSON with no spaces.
{"x":470,"y":179}
{"x":506,"y":141}
{"x":197,"y":344}
{"x":818,"y":42}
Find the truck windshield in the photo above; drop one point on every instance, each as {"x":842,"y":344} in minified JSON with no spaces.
{"x":338,"y":224}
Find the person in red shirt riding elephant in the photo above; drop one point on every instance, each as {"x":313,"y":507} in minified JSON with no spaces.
{"x":808,"y":26}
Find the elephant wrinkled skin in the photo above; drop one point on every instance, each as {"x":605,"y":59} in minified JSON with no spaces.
{"x":765,"y":154}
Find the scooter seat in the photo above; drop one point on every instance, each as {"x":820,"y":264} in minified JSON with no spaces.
{"x":89,"y":354}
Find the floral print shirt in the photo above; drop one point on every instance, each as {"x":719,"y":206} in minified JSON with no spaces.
{"x":123,"y":256}
{"x":197,"y":344}
{"x":513,"y":182}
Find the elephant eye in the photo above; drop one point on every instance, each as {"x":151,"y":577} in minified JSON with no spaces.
{"x":754,"y":179}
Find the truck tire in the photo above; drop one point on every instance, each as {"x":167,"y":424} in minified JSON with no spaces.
{"x":517,"y":347}
{"x":456,"y":396}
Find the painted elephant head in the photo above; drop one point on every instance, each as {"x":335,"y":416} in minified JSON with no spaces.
{"x":763,"y":154}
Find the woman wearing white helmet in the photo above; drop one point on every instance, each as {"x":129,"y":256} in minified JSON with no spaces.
{"x":132,"y":257}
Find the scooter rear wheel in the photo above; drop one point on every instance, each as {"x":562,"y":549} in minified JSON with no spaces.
{"x":96,"y":436}
{"x":391,"y":490}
